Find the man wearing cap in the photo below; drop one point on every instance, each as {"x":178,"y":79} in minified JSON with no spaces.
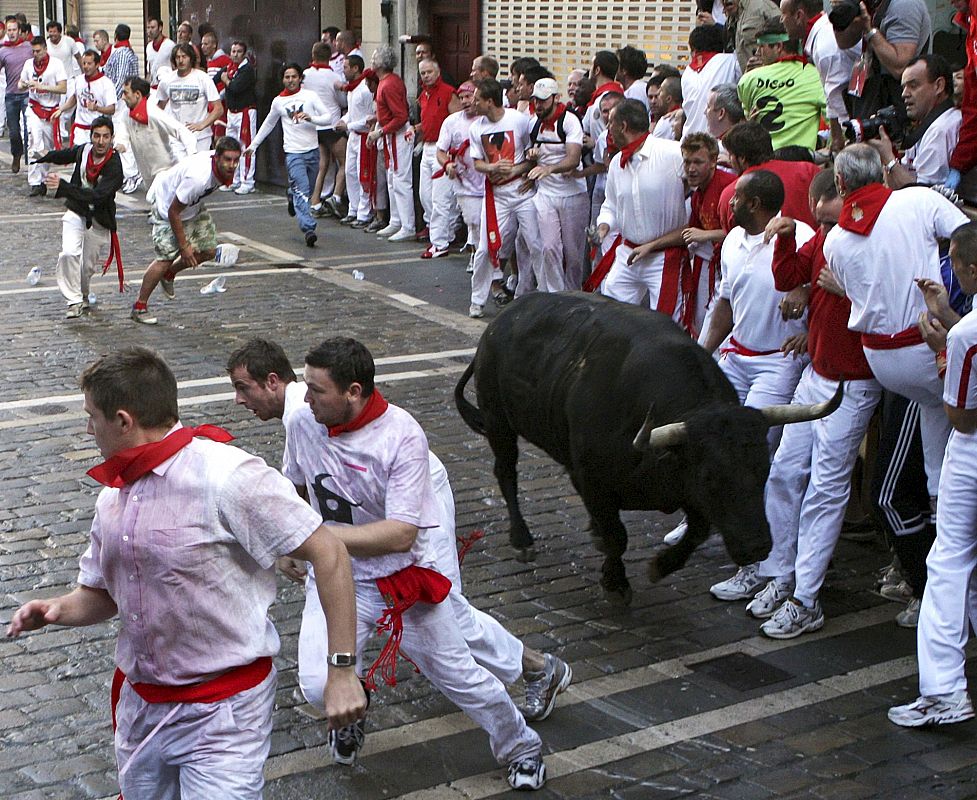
{"x":561,"y":198}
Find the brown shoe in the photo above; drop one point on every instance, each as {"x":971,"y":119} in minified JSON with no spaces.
{"x":15,"y":165}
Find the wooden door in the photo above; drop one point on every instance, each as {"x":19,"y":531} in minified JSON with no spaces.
{"x":454,"y":27}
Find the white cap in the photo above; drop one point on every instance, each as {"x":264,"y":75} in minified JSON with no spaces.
{"x":545,"y":88}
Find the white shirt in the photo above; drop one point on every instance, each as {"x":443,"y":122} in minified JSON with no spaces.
{"x":747,"y":282}
{"x":152,"y":144}
{"x":64,"y":51}
{"x":189,"y":97}
{"x":960,"y":383}
{"x":325,"y":83}
{"x":600,"y":152}
{"x":102,"y":91}
{"x":553,"y":151}
{"x":929,"y":158}
{"x":455,"y":132}
{"x":52,"y":75}
{"x":298,"y":136}
{"x":646,"y":199}
{"x":507,"y":138}
{"x":878,"y":271}
{"x":361,"y":106}
{"x":834,"y":65}
{"x":155,"y":59}
{"x":696,"y":86}
{"x":664,"y":129}
{"x":593,"y":124}
{"x":638,"y":91}
{"x":379,"y":472}
{"x":189,"y":181}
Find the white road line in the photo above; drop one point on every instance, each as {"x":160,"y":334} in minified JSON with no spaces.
{"x":407,"y":300}
{"x":274,"y":252}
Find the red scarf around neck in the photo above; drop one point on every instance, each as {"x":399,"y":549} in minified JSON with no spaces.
{"x":16,"y":42}
{"x":130,"y":465}
{"x":105,"y":56}
{"x":375,"y":406}
{"x":98,"y":74}
{"x":141,"y":112}
{"x":93,"y":170}
{"x":288,"y":93}
{"x":40,"y":67}
{"x":320,"y":65}
{"x":810,"y":25}
{"x":861,"y":208}
{"x":604,"y":88}
{"x":123,"y":43}
{"x":158,"y":43}
{"x":698,"y":62}
{"x":549,"y":124}
{"x":630,"y":149}
{"x":216,"y":173}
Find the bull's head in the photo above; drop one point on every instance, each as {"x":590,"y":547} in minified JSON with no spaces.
{"x":724,"y":449}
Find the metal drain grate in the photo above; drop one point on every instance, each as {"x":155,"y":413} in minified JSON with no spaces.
{"x":741,"y":672}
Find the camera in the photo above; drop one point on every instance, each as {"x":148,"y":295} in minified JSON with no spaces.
{"x":844,"y":14}
{"x":861,"y":130}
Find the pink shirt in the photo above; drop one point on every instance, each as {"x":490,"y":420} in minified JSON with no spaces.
{"x":187,"y":553}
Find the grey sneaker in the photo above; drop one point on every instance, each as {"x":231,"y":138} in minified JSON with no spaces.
{"x":475,"y":311}
{"x":792,"y":619}
{"x":346,"y":742}
{"x":74,"y":311}
{"x":941,"y":709}
{"x":770,"y":598}
{"x":909,"y":616}
{"x":900,"y":592}
{"x":169,"y":289}
{"x":527,"y":775}
{"x":543,"y":687}
{"x":742,"y":586}
{"x":141,"y":315}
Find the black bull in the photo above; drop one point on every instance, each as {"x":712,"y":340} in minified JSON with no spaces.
{"x":578,"y":376}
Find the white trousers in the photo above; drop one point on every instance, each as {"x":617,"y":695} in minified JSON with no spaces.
{"x":444,"y":211}
{"x":130,"y":170}
{"x":471,"y":214}
{"x":429,"y":165}
{"x":949,"y":604}
{"x":762,"y":381}
{"x":400,"y":179}
{"x":40,"y":138}
{"x":205,"y":751}
{"x":517,"y":221}
{"x":82,"y":253}
{"x":242,"y":125}
{"x":632,"y":283}
{"x":911,"y":372}
{"x":563,"y":241}
{"x":359,"y":200}
{"x":810,"y":481}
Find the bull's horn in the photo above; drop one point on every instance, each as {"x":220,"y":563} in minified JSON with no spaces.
{"x":786,"y":414}
{"x":662,"y":436}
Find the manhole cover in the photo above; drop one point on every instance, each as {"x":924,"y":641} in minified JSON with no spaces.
{"x":50,"y":409}
{"x":741,"y":672}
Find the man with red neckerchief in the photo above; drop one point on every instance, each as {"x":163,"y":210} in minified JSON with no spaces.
{"x":183,"y":231}
{"x":240,"y":79}
{"x":93,"y":96}
{"x":435,"y":99}
{"x":215,"y":61}
{"x":121,"y":66}
{"x":884,"y":241}
{"x":708,"y":67}
{"x":188,"y":529}
{"x":158,"y":49}
{"x":46,"y":82}
{"x":603,"y":72}
{"x":88,"y":226}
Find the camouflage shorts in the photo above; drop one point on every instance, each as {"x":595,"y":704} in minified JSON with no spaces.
{"x":200,"y":232}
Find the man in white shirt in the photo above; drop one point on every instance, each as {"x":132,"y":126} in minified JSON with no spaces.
{"x":300,"y":112}
{"x":68,"y":51}
{"x":45,"y":80}
{"x":361,"y":159}
{"x":499,"y":138}
{"x":633,"y":64}
{"x":184,"y":234}
{"x":93,"y":96}
{"x":320,"y":77}
{"x":666,"y":109}
{"x":556,"y":140}
{"x":644,"y":198}
{"x":884,"y":241}
{"x":708,"y":67}
{"x":192,"y":96}
{"x":759,"y":359}
{"x":158,"y":49}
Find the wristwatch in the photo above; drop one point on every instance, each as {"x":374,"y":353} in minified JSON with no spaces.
{"x":342,"y":660}
{"x":891,"y":164}
{"x":871,"y":33}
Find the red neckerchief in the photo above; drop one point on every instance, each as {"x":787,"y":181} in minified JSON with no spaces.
{"x":810,"y":25}
{"x":141,"y":112}
{"x":232,"y":68}
{"x":610,"y":86}
{"x":105,"y":56}
{"x":98,"y":74}
{"x":319,"y":65}
{"x":14,"y":43}
{"x":862,"y":207}
{"x":375,"y":406}
{"x":698,"y":62}
{"x":39,"y":68}
{"x":130,"y":465}
{"x":350,"y":85}
{"x":93,"y":170}
{"x":549,"y":124}
{"x":287,"y":93}
{"x":802,"y":59}
{"x":156,"y":47}
{"x":216,"y":174}
{"x":630,"y":149}
{"x":123,"y":43}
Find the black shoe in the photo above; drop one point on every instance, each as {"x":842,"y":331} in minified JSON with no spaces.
{"x":346,"y":742}
{"x":361,"y":223}
{"x":291,"y":207}
{"x":311,"y":239}
{"x":377,"y":225}
{"x":37,"y":191}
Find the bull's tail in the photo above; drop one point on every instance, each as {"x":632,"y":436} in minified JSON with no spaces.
{"x":470,"y":413}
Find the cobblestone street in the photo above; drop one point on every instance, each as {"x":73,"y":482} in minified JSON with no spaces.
{"x":677,"y":695}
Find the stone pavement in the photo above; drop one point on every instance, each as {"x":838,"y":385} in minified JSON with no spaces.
{"x":675,"y":696}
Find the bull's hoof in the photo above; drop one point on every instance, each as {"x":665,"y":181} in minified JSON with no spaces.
{"x":619,"y":598}
{"x":525,"y":554}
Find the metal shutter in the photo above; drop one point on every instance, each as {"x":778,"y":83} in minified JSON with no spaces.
{"x":106,"y":14}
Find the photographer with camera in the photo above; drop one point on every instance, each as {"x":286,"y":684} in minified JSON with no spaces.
{"x":893,"y":33}
{"x":927,"y":89}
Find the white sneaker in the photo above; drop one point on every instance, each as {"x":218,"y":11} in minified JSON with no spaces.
{"x":244,"y":190}
{"x":229,"y":188}
{"x":403,"y":235}
{"x":674,"y":536}
{"x":528,"y":774}
{"x":390,"y":230}
{"x":941,"y":709}
{"x":792,"y":619}
{"x":769,"y":598}
{"x":742,"y":586}
{"x":909,"y":616}
{"x":475,"y":311}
